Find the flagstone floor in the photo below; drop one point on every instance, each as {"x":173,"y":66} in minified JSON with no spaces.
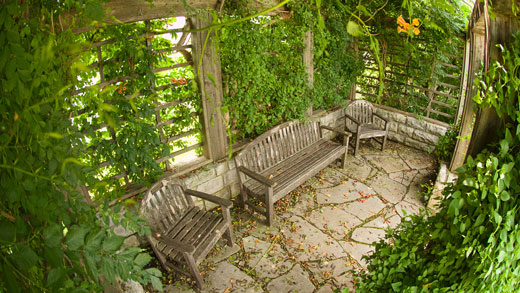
{"x":322,"y":229}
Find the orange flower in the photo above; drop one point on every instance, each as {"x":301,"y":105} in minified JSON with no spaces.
{"x":150,"y":37}
{"x":402,"y":22}
{"x":15,"y":116}
{"x":153,"y":53}
{"x":182,"y":80}
{"x":173,"y":80}
{"x":404,"y":27}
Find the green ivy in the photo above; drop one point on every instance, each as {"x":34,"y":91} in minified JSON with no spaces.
{"x":262,"y":66}
{"x":446,"y":145}
{"x":50,"y":238}
{"x":441,"y":27}
{"x":471,"y":244}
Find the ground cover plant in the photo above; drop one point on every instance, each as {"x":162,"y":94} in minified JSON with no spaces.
{"x":471,"y":244}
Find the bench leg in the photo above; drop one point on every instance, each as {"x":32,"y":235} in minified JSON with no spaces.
{"x":194,"y":270}
{"x":384,"y":143}
{"x":229,"y":231}
{"x":269,"y":206}
{"x":243,"y":196}
{"x":344,"y":158}
{"x":357,"y":145}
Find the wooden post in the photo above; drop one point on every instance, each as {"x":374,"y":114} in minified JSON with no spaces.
{"x":487,"y":122}
{"x":468,"y":115}
{"x":464,"y":81}
{"x":355,"y":46}
{"x":308,"y":62}
{"x":206,"y":63}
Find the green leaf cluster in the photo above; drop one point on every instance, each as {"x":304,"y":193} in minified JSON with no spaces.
{"x":441,"y":26}
{"x":446,"y":145}
{"x":472,"y":243}
{"x":263,"y":71}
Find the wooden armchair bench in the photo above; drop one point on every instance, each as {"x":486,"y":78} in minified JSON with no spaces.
{"x":283,"y":158}
{"x":182,"y":233}
{"x":359,"y":119}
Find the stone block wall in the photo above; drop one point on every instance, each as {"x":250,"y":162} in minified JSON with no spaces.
{"x":221,"y":179}
{"x":412,"y":130}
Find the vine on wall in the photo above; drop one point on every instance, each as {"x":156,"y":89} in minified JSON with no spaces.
{"x":124,"y":137}
{"x":262,"y":66}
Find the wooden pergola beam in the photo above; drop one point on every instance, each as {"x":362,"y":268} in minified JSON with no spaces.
{"x":128,"y":11}
{"x":139,"y":10}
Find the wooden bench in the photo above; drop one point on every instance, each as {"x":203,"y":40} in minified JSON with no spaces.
{"x":182,"y":233}
{"x":282,"y":159}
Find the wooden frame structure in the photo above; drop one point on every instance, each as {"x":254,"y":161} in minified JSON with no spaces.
{"x":479,"y":127}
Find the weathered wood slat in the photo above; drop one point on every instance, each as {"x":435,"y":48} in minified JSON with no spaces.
{"x":448,"y":85}
{"x":444,"y":104}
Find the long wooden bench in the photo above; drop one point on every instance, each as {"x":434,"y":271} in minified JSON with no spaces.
{"x":283,"y":158}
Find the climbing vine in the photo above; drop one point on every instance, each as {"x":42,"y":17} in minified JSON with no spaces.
{"x":263,"y":71}
{"x":471,"y":244}
{"x":50,"y":237}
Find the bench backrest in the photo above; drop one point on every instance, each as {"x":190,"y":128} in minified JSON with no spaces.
{"x":278,"y":144}
{"x":163,"y":205}
{"x":360,"y":110}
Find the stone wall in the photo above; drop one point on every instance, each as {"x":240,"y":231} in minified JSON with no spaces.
{"x":412,"y":130}
{"x":221,"y":178}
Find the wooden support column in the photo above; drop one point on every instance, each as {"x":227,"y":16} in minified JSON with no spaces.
{"x":355,"y":47}
{"x":209,"y":79}
{"x":308,"y":62}
{"x":477,"y":41}
{"x":463,"y":81}
{"x":487,"y":122}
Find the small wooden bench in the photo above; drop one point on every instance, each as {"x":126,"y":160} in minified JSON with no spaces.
{"x":282,"y":159}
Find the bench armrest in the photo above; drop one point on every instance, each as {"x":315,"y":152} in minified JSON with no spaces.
{"x":180,"y":246}
{"x":257,"y":177}
{"x":352,"y":119}
{"x":380,"y":117}
{"x":218,"y":200}
{"x":342,"y":132}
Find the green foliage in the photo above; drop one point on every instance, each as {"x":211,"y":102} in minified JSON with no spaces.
{"x":263,"y":72}
{"x":446,"y":144}
{"x":50,"y":238}
{"x":262,"y":66}
{"x":471,"y":244}
{"x":336,"y":66}
{"x":125,"y":112}
{"x":441,"y":26}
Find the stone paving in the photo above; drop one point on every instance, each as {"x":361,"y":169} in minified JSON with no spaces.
{"x":323,"y":229}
